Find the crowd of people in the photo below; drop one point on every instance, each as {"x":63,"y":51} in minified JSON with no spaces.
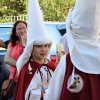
{"x":77,"y":76}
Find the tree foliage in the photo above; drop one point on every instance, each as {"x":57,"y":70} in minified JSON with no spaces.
{"x":53,"y":10}
{"x":12,"y":7}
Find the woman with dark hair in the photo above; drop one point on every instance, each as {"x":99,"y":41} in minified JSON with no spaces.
{"x":15,"y":46}
{"x":17,"y":32}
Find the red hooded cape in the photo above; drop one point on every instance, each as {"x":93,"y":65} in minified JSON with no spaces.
{"x":91,"y":85}
{"x":24,"y":78}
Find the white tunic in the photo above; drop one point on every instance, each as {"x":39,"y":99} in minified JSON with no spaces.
{"x":55,"y":86}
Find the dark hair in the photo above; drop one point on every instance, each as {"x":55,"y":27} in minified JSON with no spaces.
{"x":13,"y":37}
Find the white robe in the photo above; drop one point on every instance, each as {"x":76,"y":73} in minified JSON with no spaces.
{"x":55,"y":86}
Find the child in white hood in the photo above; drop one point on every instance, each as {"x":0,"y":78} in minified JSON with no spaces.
{"x":32,"y":64}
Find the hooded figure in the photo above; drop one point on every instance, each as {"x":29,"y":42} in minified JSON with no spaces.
{"x":32,"y":65}
{"x":77,"y":76}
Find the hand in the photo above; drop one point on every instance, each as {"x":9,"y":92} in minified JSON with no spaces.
{"x":63,"y":52}
{"x":58,"y":57}
{"x":24,"y":39}
{"x":44,"y":83}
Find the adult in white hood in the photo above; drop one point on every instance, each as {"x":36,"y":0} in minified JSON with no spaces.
{"x":77,"y":76}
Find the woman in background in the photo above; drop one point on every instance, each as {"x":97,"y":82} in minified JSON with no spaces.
{"x":15,"y":47}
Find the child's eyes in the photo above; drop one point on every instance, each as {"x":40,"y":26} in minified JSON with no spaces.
{"x":48,"y":45}
{"x":39,"y":46}
{"x":45,"y":45}
{"x":42,"y":45}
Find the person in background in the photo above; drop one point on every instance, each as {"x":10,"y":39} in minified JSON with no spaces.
{"x":2,"y":44}
{"x":64,"y":42}
{"x":15,"y":47}
{"x":1,"y":76}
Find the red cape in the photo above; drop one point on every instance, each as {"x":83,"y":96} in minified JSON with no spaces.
{"x":91,"y":85}
{"x":24,"y":78}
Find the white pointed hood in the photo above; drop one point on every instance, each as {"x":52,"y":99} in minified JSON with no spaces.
{"x":36,"y":32}
{"x":83,"y":35}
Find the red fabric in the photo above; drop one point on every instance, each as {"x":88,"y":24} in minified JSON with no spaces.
{"x":52,"y":65}
{"x":24,"y":79}
{"x":91,"y":85}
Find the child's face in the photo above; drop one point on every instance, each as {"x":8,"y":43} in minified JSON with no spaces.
{"x":40,"y":52}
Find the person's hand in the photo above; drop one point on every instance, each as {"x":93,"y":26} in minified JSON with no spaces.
{"x":63,"y":52}
{"x":44,"y":83}
{"x":24,"y":39}
{"x":58,"y":57}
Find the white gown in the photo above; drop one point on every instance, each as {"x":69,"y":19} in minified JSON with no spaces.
{"x":55,"y":86}
{"x":83,"y":35}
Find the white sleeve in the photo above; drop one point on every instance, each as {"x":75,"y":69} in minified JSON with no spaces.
{"x":63,"y":41}
{"x":35,"y":94}
{"x":55,"y":86}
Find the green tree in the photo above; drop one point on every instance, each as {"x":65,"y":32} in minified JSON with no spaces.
{"x":53,"y":10}
{"x":12,"y":7}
